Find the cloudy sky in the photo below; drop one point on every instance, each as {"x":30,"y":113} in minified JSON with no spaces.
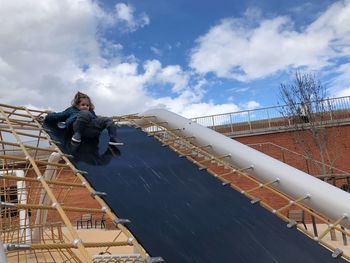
{"x":192,"y":57}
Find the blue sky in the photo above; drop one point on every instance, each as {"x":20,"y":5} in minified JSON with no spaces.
{"x":192,"y":57}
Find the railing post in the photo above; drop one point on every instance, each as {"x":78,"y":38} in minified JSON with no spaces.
{"x":283,"y":158}
{"x":231,"y":122}
{"x":345,"y":240}
{"x":268,"y":117}
{"x":314,"y":226}
{"x":330,"y":109}
{"x":212,"y":118}
{"x":307,"y":166}
{"x":250,"y":125}
{"x":3,"y":257}
{"x":333,"y":234}
{"x":334,"y":181}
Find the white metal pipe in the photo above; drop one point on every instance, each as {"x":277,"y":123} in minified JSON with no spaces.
{"x":3,"y":258}
{"x":324,"y":198}
{"x":41,"y":215}
{"x":23,"y":215}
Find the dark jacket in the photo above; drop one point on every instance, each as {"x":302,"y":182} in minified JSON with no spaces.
{"x":68,"y":116}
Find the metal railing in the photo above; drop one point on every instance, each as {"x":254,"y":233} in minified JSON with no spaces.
{"x":296,"y":159}
{"x":269,"y":118}
{"x":333,"y":175}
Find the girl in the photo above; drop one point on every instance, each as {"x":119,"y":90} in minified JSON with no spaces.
{"x":82,"y":118}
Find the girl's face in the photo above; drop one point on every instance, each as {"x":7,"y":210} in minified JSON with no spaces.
{"x":84,"y":104}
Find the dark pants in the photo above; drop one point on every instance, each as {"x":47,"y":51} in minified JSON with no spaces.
{"x":304,"y":118}
{"x":90,"y":126}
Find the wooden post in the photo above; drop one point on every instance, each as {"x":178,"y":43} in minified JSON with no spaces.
{"x":314,"y":226}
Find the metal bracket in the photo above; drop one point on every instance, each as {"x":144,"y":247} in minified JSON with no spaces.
{"x":121,"y":221}
{"x":81,"y":172}
{"x":122,"y":257}
{"x":186,"y":154}
{"x":202,"y":168}
{"x":67,"y":155}
{"x":16,"y":247}
{"x":225,"y":182}
{"x":246,"y":168}
{"x":337,"y":253}
{"x":76,"y":242}
{"x":154,"y":260}
{"x":93,"y":194}
{"x":292,"y":223}
{"x":255,"y":201}
{"x":56,"y":142}
{"x":7,"y":205}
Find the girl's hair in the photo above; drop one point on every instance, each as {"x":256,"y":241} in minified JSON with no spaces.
{"x":77,"y":98}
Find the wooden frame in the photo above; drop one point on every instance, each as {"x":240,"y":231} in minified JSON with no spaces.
{"x":19,"y":124}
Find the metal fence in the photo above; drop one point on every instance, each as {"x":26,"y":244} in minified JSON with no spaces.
{"x":268,"y":118}
{"x":296,"y":159}
{"x":325,"y":172}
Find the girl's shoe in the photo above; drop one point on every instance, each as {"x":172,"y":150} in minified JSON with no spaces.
{"x":61,"y":125}
{"x":76,"y":137}
{"x":114,"y":141}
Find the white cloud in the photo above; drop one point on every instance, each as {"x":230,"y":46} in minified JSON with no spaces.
{"x":239,"y":49}
{"x":251,"y":105}
{"x":344,"y":92}
{"x":186,"y":106}
{"x":341,"y":84}
{"x":125,"y":13}
{"x":243,"y":89}
{"x":176,"y":76}
{"x":156,"y":51}
{"x":205,"y":109}
{"x":42,"y":45}
{"x":50,"y":49}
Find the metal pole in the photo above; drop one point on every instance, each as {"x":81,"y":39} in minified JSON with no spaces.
{"x":250,"y":125}
{"x":23,"y":214}
{"x":330,"y":109}
{"x":3,"y":257}
{"x":268,"y":117}
{"x":41,"y":215}
{"x":307,"y":166}
{"x":334,"y":181}
{"x":231,"y":122}
{"x":314,"y":226}
{"x":345,"y":240}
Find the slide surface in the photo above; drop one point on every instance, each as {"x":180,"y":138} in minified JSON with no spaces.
{"x":183,"y":214}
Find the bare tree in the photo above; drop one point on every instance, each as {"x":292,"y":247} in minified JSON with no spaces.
{"x":308,"y":111}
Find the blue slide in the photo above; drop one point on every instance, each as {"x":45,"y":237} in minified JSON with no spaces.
{"x":183,"y":214}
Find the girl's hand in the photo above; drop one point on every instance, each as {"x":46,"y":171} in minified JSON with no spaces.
{"x":40,"y":119}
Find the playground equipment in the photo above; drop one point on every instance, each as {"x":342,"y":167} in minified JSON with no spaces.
{"x":42,"y":187}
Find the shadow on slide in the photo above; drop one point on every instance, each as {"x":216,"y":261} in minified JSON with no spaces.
{"x":93,"y":151}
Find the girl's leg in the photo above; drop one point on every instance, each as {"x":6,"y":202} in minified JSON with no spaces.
{"x":107,"y":123}
{"x":81,"y":124}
